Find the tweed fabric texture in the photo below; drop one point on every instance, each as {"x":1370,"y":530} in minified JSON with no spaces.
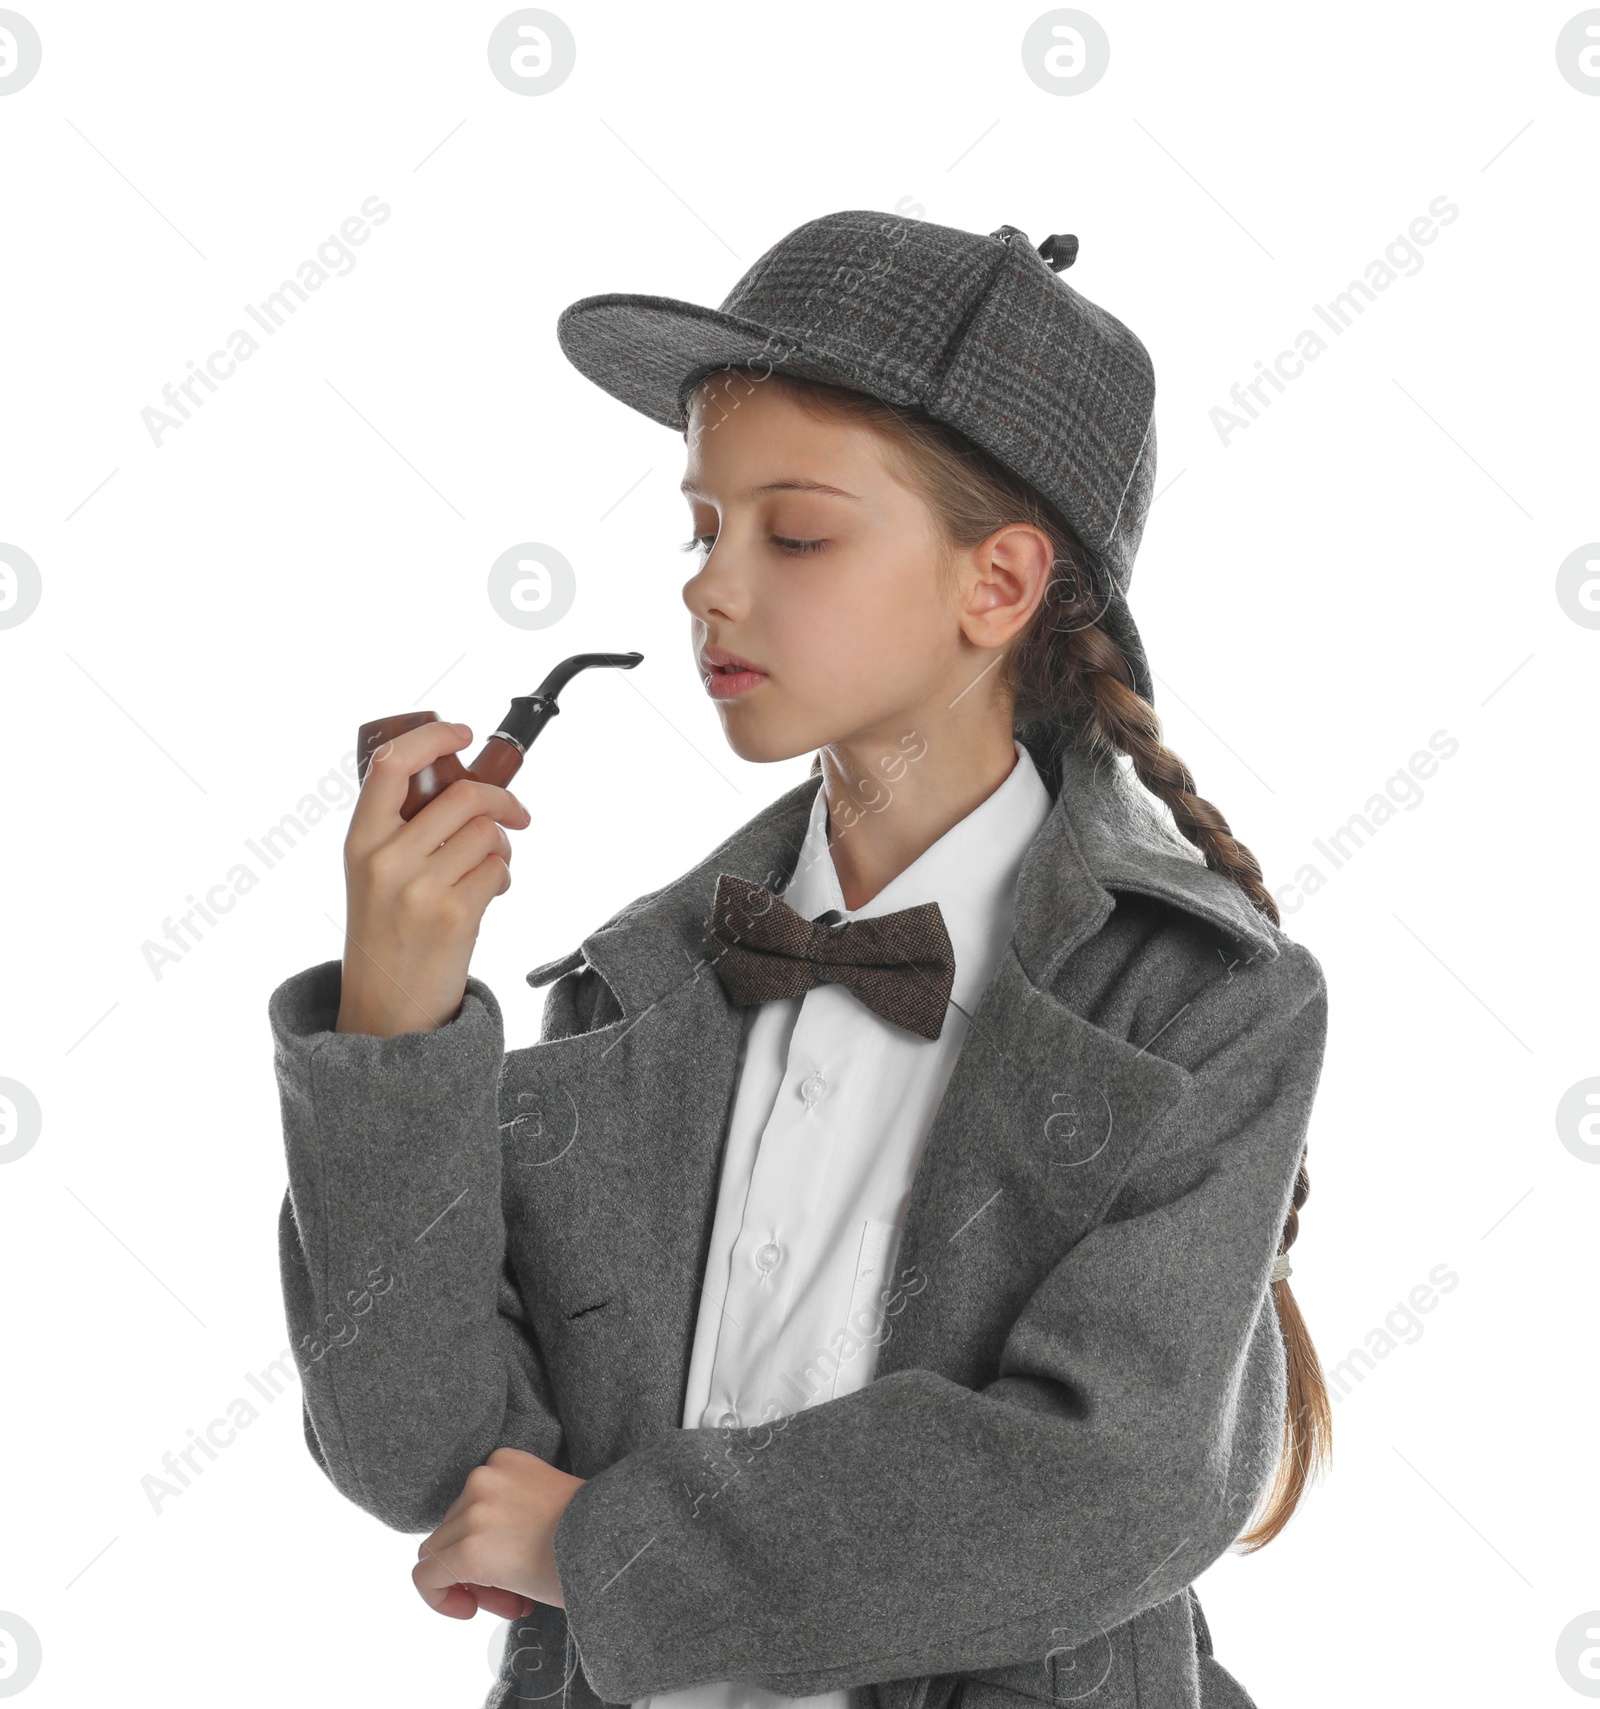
{"x":1082,"y":1397}
{"x":977,"y":331}
{"x":901,"y":964}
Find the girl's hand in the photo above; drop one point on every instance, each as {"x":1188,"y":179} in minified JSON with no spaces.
{"x":495,"y":1547}
{"x":417,"y":889}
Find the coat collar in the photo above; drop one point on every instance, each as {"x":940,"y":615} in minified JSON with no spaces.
{"x":1104,"y":834}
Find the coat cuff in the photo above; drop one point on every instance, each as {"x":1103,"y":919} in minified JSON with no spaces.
{"x":304,"y":1010}
{"x":383,"y":1134}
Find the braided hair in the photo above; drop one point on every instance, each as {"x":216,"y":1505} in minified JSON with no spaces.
{"x":1072,"y":684}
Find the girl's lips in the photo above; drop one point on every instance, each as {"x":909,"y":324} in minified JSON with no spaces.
{"x":725,"y":685}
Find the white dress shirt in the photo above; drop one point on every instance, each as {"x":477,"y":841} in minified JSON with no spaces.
{"x":832,"y":1106}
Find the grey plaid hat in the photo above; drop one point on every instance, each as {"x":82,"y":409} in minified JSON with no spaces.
{"x":981,"y":333}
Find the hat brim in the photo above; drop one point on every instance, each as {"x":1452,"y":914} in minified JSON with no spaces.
{"x":650,"y":353}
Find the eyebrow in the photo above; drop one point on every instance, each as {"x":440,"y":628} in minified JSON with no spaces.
{"x":795,"y":486}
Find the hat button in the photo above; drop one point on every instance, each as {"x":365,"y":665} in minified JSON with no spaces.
{"x":1060,"y":251}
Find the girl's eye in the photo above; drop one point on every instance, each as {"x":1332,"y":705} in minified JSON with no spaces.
{"x":704,"y":542}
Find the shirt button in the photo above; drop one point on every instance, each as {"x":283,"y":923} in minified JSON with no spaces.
{"x":812,"y":1088}
{"x":728,"y":1420}
{"x":768,"y":1255}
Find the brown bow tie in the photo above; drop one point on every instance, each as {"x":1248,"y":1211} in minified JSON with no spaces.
{"x":901,"y":965}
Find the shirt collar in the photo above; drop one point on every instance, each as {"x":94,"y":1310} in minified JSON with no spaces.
{"x":971,"y":872}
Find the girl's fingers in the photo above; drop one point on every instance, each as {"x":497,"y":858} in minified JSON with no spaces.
{"x":466,"y":849}
{"x":456,"y":807}
{"x":389,"y":774}
{"x":456,"y":1602}
{"x":488,"y":879}
{"x":376,"y":817}
{"x":506,"y":1603}
{"x":439,"y":1586}
{"x":441,"y":1576}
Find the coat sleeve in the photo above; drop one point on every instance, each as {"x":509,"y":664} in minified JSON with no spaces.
{"x":408,"y":1331}
{"x":920,"y":1527}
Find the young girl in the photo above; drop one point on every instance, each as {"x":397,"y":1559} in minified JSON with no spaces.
{"x":873,"y":1286}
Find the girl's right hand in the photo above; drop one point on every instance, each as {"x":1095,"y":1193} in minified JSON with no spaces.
{"x":416,"y":889}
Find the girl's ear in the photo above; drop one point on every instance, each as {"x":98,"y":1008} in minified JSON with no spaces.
{"x":1006,"y":580}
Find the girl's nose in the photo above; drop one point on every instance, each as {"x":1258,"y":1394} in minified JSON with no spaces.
{"x":714,"y":590}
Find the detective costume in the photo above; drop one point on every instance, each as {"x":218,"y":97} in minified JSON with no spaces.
{"x":1073,"y":1398}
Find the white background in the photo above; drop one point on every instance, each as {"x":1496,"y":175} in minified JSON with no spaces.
{"x":1373,"y":560}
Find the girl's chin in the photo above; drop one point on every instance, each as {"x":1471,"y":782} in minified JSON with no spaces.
{"x":757,"y":740}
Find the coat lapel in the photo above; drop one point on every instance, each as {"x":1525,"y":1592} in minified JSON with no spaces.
{"x":1036,"y":1125}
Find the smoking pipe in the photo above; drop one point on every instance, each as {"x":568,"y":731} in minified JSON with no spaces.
{"x":502,"y":754}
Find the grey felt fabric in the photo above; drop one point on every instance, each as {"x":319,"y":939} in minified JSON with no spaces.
{"x":1079,"y":1397}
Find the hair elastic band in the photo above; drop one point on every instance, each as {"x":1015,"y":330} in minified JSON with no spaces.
{"x":1280,"y":1268}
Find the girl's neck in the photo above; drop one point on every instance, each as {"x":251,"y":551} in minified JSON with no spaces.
{"x":888,"y":802}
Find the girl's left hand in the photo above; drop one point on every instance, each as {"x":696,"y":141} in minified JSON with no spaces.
{"x":495,"y":1547}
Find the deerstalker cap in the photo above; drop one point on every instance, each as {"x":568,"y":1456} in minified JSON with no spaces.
{"x":979,"y":332}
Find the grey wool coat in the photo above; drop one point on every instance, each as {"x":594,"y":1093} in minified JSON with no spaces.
{"x":1079,"y":1397}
